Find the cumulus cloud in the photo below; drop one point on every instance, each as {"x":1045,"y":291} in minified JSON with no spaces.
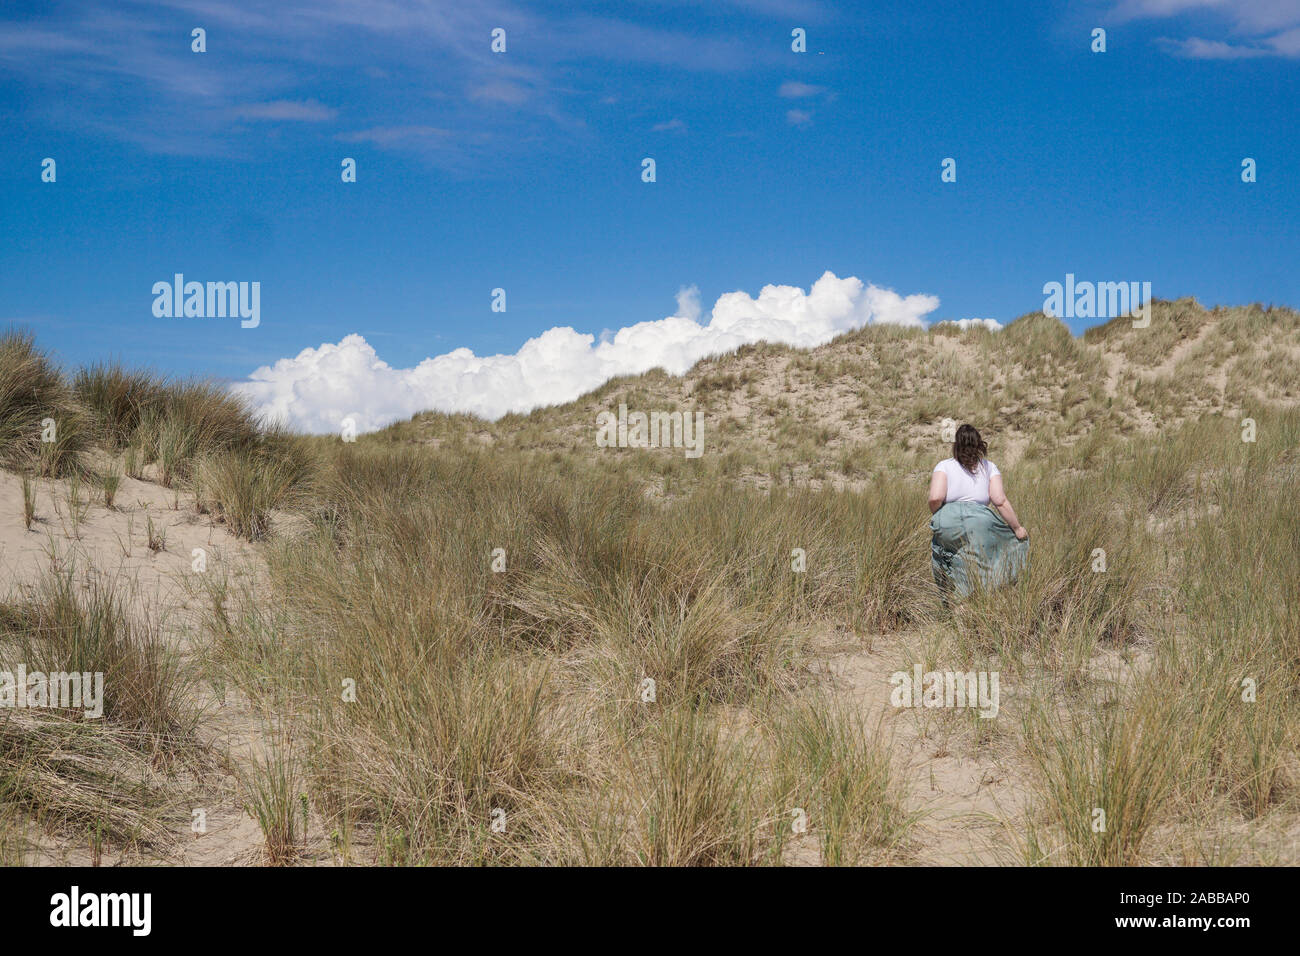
{"x":688,"y":303}
{"x":319,"y":387}
{"x":993,"y":325}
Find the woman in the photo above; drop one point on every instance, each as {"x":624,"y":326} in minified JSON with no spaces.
{"x":972,"y":546}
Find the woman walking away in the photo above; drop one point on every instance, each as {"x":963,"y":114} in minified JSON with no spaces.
{"x":972,"y":546}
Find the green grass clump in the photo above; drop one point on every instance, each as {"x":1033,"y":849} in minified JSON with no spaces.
{"x":43,"y":428}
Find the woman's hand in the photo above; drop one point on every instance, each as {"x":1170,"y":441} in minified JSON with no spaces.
{"x":1021,"y":533}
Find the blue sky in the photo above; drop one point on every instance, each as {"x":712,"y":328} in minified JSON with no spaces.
{"x":522,"y":170}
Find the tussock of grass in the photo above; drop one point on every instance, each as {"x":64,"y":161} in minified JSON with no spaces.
{"x":242,"y":487}
{"x":110,"y":777}
{"x":839,"y":772}
{"x":119,"y":399}
{"x":78,"y":777}
{"x":35,"y":402}
{"x":85,"y":626}
{"x":1107,"y":777}
{"x":689,"y":795}
{"x":272,"y":785}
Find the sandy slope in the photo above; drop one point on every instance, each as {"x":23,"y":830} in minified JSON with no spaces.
{"x":116,"y":541}
{"x":162,"y":585}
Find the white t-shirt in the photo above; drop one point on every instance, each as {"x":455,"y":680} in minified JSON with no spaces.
{"x":962,"y":485}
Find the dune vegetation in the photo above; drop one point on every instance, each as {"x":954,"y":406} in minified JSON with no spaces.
{"x":472,"y":642}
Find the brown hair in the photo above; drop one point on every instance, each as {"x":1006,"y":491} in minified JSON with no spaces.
{"x":968,"y":448}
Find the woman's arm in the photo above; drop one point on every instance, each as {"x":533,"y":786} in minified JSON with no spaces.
{"x":938,"y":490}
{"x":998,"y":498}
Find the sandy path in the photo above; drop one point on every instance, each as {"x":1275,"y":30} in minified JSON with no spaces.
{"x":968,"y":791}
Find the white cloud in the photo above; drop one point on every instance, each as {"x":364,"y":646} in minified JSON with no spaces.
{"x":793,"y":89}
{"x":798,"y":117}
{"x":316,"y":389}
{"x":389,"y":136}
{"x":305,"y":111}
{"x":688,"y":302}
{"x":1259,"y":16}
{"x":1194,"y":48}
{"x":501,"y":91}
{"x":993,"y":325}
{"x":1263,"y":27}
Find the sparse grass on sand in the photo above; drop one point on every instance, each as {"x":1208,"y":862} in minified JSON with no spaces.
{"x":494,"y":643}
{"x":106,"y":778}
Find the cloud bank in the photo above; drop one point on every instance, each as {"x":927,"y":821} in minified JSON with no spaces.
{"x":317,"y":389}
{"x":993,"y":325}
